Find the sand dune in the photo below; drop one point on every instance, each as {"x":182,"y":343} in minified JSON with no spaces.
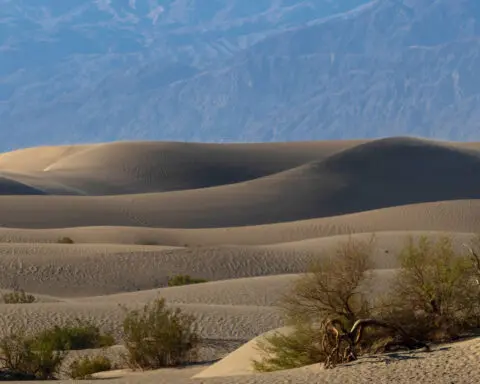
{"x":378,"y":174}
{"x":142,"y":167}
{"x":247,"y":217}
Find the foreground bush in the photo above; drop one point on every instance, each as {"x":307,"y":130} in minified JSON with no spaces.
{"x":75,"y":336}
{"x":85,"y":367}
{"x":178,"y":280}
{"x":157,"y":337}
{"x":18,"y":297}
{"x":434,"y":297}
{"x":30,"y":357}
{"x":288,"y":351}
{"x":334,"y":288}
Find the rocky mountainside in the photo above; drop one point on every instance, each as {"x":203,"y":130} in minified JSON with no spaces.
{"x":231,"y":70}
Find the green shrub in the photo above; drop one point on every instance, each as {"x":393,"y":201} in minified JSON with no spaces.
{"x":85,"y":367}
{"x":435,"y":297}
{"x":291,"y":350}
{"x":65,"y":240}
{"x":178,"y":280}
{"x":76,"y":336}
{"x":157,"y":337}
{"x":18,"y":297}
{"x":30,"y":357}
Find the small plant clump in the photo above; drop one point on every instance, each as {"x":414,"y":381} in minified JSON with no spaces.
{"x":18,"y":296}
{"x":85,"y":367}
{"x":65,"y":240}
{"x":179,"y":280}
{"x":435,"y":297}
{"x":158,"y":336}
{"x":76,"y":336}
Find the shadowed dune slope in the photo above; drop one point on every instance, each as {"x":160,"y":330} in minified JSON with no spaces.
{"x":378,"y":174}
{"x":10,"y":186}
{"x":141,"y":167}
{"x":454,"y":216}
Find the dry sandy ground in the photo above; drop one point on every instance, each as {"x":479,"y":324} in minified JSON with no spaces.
{"x":247,"y":217}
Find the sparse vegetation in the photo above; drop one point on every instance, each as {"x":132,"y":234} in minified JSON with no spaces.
{"x":30,"y":357}
{"x":178,"y":280}
{"x":158,"y":336}
{"x":18,"y":296}
{"x":85,"y":367}
{"x":40,"y":356}
{"x":146,"y":242}
{"x":435,"y":297}
{"x":65,"y":240}
{"x":75,"y":336}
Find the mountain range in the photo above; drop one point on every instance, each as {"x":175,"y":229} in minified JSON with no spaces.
{"x":231,"y":70}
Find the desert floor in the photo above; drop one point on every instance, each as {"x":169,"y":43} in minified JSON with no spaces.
{"x":247,"y":217}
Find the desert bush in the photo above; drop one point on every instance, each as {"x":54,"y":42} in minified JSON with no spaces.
{"x":333,"y":288}
{"x":158,"y":336}
{"x":85,"y":367}
{"x":18,"y":296}
{"x":65,"y":240}
{"x":290,"y":350}
{"x":146,"y":242}
{"x":178,"y":280}
{"x":434,"y":297}
{"x":75,"y":336}
{"x":30,"y":357}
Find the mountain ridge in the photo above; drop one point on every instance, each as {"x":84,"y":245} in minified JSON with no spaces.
{"x":384,"y":68}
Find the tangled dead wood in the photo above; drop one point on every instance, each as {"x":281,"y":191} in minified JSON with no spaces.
{"x":342,"y":345}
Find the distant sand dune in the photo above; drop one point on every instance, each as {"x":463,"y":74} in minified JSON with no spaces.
{"x":379,"y":174}
{"x":141,"y":167}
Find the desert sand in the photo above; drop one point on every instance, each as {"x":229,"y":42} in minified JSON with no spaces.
{"x":247,"y":217}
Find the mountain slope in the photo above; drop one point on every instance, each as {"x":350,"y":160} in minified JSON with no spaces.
{"x":387,"y":68}
{"x":57,"y":56}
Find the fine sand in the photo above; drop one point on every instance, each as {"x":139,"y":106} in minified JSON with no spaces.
{"x":247,"y":217}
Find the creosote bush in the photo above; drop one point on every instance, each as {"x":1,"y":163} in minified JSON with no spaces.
{"x":18,"y":296}
{"x":85,"y":367}
{"x":75,"y":336}
{"x":157,"y":336}
{"x":178,"y":280}
{"x":435,"y":297}
{"x":30,"y":357}
{"x":290,"y":350}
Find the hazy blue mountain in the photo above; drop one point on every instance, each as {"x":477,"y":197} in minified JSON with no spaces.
{"x":214,"y":70}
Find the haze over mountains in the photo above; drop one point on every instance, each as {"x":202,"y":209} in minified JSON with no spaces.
{"x":231,"y":70}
